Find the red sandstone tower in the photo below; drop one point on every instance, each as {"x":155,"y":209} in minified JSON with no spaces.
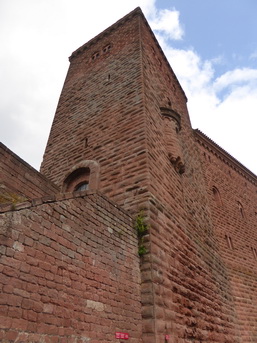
{"x":122,"y":127}
{"x":72,"y":267}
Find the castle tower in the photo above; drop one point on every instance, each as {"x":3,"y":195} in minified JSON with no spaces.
{"x":122,"y":127}
{"x":100,"y":133}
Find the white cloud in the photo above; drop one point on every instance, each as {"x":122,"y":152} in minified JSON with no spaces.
{"x":167,"y":23}
{"x":235,"y":78}
{"x":224,"y":108}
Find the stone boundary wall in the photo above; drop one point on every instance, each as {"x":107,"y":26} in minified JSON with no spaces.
{"x":69,"y":271}
{"x":18,"y":180}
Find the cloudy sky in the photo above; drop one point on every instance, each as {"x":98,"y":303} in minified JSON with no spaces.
{"x":211,"y":46}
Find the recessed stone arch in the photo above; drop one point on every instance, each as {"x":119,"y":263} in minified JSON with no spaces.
{"x":83,"y":175}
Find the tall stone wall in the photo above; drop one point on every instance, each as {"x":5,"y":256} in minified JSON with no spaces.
{"x":69,"y":271}
{"x":232,"y":191}
{"x":186,"y":293}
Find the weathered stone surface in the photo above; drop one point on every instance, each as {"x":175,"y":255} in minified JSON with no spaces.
{"x":70,"y":270}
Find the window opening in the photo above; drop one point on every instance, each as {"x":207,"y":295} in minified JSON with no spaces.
{"x":84,"y":175}
{"x":107,"y":48}
{"x":216,"y":195}
{"x":254,"y":251}
{"x":241,"y":209}
{"x":78,"y":180}
{"x":95,"y":55}
{"x":86,"y":142}
{"x":229,"y":242}
{"x":83,"y":186}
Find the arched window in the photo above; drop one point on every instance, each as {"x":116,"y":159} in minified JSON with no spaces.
{"x":82,"y":176}
{"x":78,"y":180}
{"x":216,"y":196}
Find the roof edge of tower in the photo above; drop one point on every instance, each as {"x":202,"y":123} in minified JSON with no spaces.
{"x":163,"y":55}
{"x":135,"y":12}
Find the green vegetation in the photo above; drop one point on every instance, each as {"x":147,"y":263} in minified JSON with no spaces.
{"x":141,"y":228}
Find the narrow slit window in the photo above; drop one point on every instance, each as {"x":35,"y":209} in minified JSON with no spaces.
{"x":229,"y":242}
{"x":254,"y":251}
{"x":241,"y":209}
{"x":216,"y":196}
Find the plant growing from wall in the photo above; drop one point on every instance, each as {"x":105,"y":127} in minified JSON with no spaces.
{"x":10,"y":197}
{"x":141,"y":228}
